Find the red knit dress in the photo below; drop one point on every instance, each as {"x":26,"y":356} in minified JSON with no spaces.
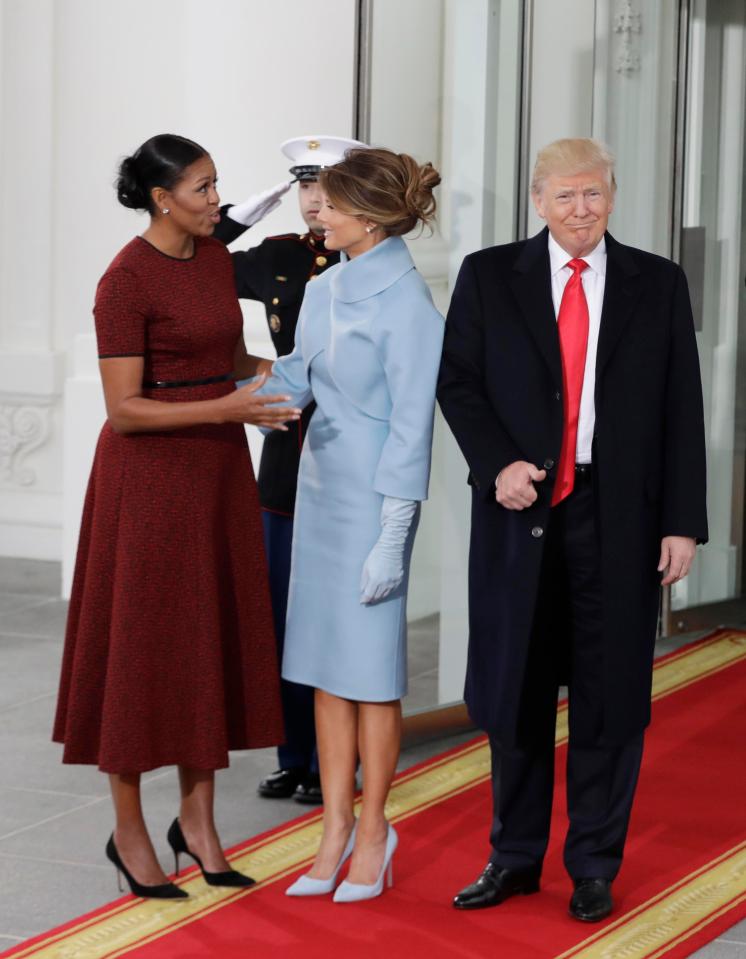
{"x":169,"y":654}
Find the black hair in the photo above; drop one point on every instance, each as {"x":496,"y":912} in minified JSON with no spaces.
{"x":160,"y":161}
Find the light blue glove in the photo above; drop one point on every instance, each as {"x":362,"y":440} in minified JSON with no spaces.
{"x":383,"y":570}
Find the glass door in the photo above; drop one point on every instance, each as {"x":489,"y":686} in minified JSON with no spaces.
{"x":713,"y":254}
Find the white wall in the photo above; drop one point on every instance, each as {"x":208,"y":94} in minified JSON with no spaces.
{"x":82,"y":83}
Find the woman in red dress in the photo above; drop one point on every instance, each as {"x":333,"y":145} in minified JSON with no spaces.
{"x":169,"y":653}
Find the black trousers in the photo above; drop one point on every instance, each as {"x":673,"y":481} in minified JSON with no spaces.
{"x":565,"y":648}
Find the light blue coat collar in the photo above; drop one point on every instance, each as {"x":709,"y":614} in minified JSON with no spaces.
{"x":372,"y":271}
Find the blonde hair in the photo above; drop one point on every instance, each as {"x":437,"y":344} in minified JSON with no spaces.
{"x":390,"y":189}
{"x":571,"y":156}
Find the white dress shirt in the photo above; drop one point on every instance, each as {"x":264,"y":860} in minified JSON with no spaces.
{"x":594,"y":281}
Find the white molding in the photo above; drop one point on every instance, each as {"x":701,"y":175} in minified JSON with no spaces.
{"x":23,"y":428}
{"x":627,"y":24}
{"x":30,"y":452}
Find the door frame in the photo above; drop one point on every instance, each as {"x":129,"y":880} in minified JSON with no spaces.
{"x":730,"y":611}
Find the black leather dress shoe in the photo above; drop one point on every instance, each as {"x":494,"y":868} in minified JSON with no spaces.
{"x":281,"y":784}
{"x":495,"y":885}
{"x":308,"y":790}
{"x":591,"y":901}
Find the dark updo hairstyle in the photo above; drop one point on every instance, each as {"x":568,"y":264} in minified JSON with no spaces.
{"x":390,"y":189}
{"x":160,"y":161}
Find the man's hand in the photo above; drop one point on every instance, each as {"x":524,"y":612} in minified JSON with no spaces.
{"x":677,"y":555}
{"x":514,"y":486}
{"x":254,"y":209}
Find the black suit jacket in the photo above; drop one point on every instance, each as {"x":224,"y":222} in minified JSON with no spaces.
{"x":500,"y":389}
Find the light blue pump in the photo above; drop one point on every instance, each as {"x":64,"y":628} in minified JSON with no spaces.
{"x":308,"y":886}
{"x":355,"y":892}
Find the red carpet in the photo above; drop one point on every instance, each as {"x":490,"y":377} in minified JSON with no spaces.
{"x":683,"y":881}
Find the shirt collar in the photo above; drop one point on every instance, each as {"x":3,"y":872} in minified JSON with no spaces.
{"x":559,"y":258}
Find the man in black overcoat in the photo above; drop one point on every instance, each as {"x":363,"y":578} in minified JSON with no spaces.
{"x":275,"y":272}
{"x":570,"y":379}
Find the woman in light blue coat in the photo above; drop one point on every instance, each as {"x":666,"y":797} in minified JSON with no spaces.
{"x":367,"y":350}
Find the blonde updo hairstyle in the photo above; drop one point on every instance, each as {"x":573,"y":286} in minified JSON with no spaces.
{"x":390,"y":189}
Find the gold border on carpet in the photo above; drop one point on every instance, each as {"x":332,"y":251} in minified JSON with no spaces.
{"x":672,"y":915}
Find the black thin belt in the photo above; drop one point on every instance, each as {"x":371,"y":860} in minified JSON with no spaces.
{"x":170,"y":384}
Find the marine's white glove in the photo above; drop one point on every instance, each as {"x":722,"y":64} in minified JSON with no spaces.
{"x":383,"y":570}
{"x":254,"y":209}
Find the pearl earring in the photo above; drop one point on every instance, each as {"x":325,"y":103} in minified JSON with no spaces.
{"x":165,"y":211}
{"x":369,"y":229}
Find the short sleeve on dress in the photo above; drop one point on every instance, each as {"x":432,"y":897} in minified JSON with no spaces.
{"x":120,"y":313}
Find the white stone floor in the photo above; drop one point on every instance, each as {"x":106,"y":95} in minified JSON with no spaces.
{"x":54,"y":819}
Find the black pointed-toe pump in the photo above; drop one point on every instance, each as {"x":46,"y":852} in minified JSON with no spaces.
{"x":229,"y":877}
{"x":166,"y":890}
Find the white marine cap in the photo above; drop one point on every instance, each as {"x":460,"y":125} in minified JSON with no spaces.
{"x":311,"y":154}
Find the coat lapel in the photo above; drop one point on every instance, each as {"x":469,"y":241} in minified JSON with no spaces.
{"x":621,"y":291}
{"x":532,"y":286}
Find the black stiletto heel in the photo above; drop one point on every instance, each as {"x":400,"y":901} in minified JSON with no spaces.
{"x":166,"y":890}
{"x":229,"y":877}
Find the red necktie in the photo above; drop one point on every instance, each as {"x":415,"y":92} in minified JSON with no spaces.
{"x":572,"y":324}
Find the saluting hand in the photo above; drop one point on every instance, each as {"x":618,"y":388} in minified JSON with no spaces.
{"x":254,"y":209}
{"x":514,"y":486}
{"x":244,"y":406}
{"x":677,"y":556}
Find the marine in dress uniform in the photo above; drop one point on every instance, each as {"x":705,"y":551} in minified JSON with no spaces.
{"x":275,"y":273}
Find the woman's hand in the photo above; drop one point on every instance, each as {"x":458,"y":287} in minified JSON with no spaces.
{"x":244,"y":406}
{"x":383,"y":570}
